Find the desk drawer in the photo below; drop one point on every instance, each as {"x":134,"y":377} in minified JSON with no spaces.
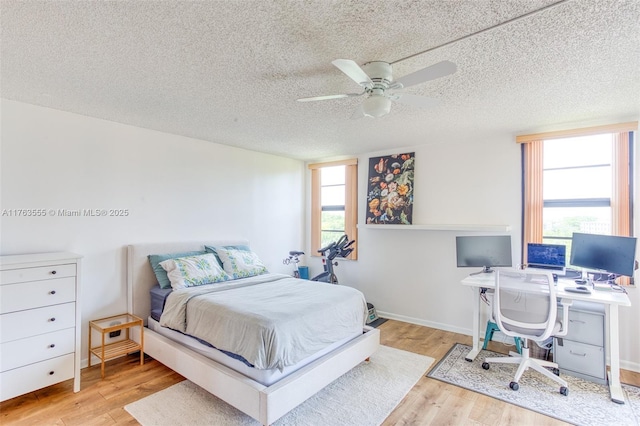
{"x":35,"y":376}
{"x":22,"y":324}
{"x":37,"y":348}
{"x":35,"y":294}
{"x":586,"y":327}
{"x":12,"y":276}
{"x":580,"y":358}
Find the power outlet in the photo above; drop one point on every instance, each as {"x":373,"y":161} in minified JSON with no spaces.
{"x":117,"y":332}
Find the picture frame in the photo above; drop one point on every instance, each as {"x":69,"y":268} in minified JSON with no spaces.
{"x":390,"y":189}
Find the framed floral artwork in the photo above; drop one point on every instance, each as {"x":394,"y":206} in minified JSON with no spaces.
{"x":390,"y":189}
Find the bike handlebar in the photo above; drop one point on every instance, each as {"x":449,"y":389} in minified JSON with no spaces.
{"x":340,"y":248}
{"x":323,"y":249}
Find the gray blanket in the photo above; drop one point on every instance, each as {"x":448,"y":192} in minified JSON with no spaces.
{"x":271,"y":320}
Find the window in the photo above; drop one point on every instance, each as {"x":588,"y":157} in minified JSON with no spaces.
{"x":334,"y":205}
{"x":577,"y":187}
{"x":577,"y":181}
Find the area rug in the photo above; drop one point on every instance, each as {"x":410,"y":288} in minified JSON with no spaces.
{"x":587,"y":404}
{"x":363,"y":396}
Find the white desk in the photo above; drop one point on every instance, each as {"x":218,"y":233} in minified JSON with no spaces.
{"x":611,"y":301}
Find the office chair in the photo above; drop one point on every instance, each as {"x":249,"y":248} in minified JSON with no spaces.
{"x":525,"y":306}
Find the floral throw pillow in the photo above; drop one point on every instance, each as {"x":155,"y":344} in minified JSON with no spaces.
{"x":193,"y":271}
{"x":241,"y":263}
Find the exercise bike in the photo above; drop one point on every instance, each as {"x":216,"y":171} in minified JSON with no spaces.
{"x":341,"y":248}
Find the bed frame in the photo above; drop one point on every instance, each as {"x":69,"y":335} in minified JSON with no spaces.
{"x":264,"y":403}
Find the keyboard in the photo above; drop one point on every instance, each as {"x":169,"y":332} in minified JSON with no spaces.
{"x":577,"y":290}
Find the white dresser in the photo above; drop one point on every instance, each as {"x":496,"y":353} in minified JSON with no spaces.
{"x":39,"y":322}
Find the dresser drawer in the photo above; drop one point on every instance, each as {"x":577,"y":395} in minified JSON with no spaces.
{"x":35,"y":376}
{"x":22,"y":324}
{"x":586,"y":327}
{"x":12,"y":276}
{"x":35,"y":294}
{"x":37,"y":348}
{"x":580,"y":358}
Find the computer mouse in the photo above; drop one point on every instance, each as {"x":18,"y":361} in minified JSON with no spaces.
{"x":581,"y":287}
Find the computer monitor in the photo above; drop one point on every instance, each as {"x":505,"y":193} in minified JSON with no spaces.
{"x":485,"y":251}
{"x":608,"y":253}
{"x":547,"y":256}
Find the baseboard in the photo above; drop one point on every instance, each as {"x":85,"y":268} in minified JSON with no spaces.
{"x":629,"y":365}
{"x":418,"y":321}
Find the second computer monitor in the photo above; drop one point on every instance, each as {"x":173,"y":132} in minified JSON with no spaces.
{"x":547,"y":256}
{"x":483,"y":251}
{"x":608,"y":253}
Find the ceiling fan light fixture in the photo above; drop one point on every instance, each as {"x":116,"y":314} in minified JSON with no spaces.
{"x":376,"y":106}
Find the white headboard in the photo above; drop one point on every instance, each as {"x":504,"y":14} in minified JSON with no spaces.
{"x":140,"y":276}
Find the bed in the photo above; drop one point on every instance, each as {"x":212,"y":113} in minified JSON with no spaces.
{"x":264,"y":394}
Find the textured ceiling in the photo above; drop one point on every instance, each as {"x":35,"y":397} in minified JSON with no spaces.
{"x":230,"y":71}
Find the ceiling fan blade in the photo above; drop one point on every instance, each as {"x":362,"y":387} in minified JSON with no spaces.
{"x":414,"y":100}
{"x":326,"y":97}
{"x":353,"y":71}
{"x":429,"y":73}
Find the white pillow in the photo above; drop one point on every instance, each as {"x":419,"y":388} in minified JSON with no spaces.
{"x":192,"y":271}
{"x":240,"y":263}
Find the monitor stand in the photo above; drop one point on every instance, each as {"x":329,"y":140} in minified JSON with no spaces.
{"x":485,"y":270}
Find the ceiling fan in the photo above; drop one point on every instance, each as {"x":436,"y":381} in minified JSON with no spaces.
{"x":380,"y":89}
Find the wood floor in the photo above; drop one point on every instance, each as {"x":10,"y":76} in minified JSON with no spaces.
{"x":430,"y":402}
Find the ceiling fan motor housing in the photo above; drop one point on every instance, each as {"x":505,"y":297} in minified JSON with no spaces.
{"x":377,"y":104}
{"x":380,"y":73}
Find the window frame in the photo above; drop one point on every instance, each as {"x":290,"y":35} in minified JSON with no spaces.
{"x":350,"y":207}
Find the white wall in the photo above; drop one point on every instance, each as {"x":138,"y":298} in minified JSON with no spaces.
{"x":175,"y":188}
{"x":412,"y":274}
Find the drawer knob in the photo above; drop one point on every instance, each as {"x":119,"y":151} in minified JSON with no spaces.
{"x":53,"y":272}
{"x":577,"y":354}
{"x":52,"y":292}
{"x":51,"y":373}
{"x":52,"y":319}
{"x":53,"y":345}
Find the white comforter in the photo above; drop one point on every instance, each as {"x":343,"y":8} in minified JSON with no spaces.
{"x":271,"y":320}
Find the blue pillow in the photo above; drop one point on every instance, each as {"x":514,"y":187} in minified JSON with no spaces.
{"x":161,"y":274}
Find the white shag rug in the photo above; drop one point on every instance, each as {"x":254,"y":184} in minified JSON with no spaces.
{"x":363,"y":396}
{"x":587,"y":404}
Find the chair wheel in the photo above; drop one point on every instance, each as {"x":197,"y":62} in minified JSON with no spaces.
{"x":556,"y":371}
{"x":514,"y":386}
{"x":564,"y":390}
{"x":485,"y":365}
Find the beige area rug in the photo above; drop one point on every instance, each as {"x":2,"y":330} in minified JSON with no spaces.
{"x":363,"y":396}
{"x":587,"y":404}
